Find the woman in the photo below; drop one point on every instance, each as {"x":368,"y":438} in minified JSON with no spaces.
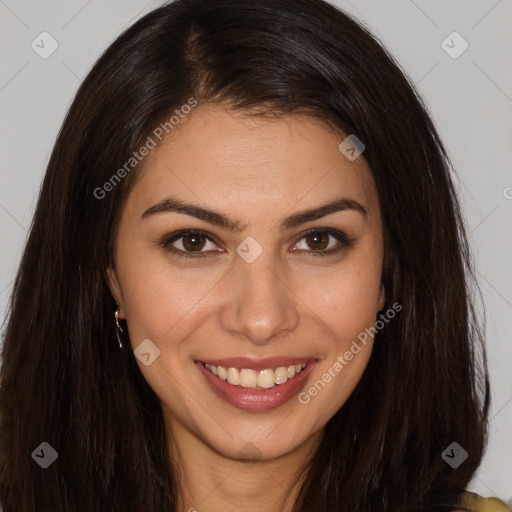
{"x":245,"y":286}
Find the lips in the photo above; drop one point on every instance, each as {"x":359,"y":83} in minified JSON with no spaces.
{"x":255,"y":398}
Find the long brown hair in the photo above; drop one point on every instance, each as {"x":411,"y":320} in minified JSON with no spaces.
{"x":64,"y":379}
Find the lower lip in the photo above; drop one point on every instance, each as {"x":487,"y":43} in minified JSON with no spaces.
{"x":257,"y":399}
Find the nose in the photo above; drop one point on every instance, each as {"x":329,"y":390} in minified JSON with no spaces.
{"x":259,"y":304}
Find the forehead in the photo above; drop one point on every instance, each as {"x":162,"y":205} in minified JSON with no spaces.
{"x":218,"y":156}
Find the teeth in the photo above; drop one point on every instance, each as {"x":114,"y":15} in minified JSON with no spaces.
{"x":281,"y":375}
{"x":266,"y":379}
{"x":233,"y":376}
{"x":251,"y":378}
{"x":248,"y":378}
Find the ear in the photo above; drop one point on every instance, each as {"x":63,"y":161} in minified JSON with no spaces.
{"x":115,"y":290}
{"x":382,"y":297}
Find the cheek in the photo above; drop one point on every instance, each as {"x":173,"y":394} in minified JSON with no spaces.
{"x":161,"y":298}
{"x":166,"y":304}
{"x":346,"y":299}
{"x":334,"y":382}
{"x":347,"y":305}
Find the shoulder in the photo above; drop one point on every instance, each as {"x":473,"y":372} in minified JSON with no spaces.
{"x":476,"y":503}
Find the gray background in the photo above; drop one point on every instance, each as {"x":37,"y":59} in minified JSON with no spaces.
{"x":469,"y":97}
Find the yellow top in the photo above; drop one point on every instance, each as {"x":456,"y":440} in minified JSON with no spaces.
{"x":479,"y":504}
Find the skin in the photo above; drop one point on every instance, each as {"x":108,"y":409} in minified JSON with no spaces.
{"x":286,"y":302}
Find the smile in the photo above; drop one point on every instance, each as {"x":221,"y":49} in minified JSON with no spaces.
{"x":256,"y":386}
{"x":263,"y":379}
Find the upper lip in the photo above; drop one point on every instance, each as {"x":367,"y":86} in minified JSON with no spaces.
{"x":255,"y":363}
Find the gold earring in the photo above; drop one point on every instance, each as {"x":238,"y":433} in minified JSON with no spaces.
{"x":118,"y":327}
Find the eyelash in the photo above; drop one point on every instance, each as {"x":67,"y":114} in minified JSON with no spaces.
{"x":338,"y":235}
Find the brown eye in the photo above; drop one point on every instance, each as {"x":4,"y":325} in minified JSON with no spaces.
{"x":318,"y":240}
{"x":193,"y":242}
{"x":189,"y":243}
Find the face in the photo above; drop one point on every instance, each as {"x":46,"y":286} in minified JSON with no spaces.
{"x":229,"y":286}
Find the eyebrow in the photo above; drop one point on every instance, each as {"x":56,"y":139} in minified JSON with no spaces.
{"x":174,"y":205}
